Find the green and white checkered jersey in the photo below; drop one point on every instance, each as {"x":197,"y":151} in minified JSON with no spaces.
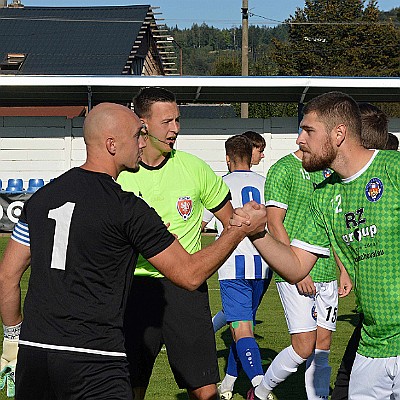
{"x":360,"y":218}
{"x":245,"y":262}
{"x":178,"y":189}
{"x":290,"y":187}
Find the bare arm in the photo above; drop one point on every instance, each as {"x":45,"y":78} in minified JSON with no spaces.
{"x":15,"y":262}
{"x":345,"y":284}
{"x":291,"y":263}
{"x":225,"y":213}
{"x":191,"y":270}
{"x":275,"y":218}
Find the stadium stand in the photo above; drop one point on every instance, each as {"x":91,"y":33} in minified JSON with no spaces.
{"x":34,"y":185}
{"x":15,"y":185}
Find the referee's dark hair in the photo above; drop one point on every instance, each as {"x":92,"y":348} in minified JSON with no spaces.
{"x":148,"y":96}
{"x":239,"y":148}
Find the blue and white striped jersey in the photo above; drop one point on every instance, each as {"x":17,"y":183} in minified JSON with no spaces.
{"x":245,"y":262}
{"x":21,"y":233}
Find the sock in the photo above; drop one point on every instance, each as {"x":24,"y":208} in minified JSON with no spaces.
{"x":219,"y":321}
{"x":249,"y":355}
{"x":318,"y":375}
{"x":232,"y":370}
{"x":227,"y":383}
{"x":283,"y":365}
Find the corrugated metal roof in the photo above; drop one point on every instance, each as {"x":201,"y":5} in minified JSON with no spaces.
{"x":73,"y":40}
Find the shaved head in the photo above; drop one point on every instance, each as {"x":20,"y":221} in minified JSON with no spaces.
{"x":111,"y":133}
{"x":104,"y":120}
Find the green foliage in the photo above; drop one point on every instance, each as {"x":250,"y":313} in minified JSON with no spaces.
{"x":325,"y":38}
{"x":336,"y":37}
{"x":227,"y":64}
{"x":393,"y":14}
{"x":339,"y":38}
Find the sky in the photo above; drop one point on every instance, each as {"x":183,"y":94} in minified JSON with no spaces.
{"x":219,"y":13}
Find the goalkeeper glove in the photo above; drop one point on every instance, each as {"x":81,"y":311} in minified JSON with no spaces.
{"x":8,"y":359}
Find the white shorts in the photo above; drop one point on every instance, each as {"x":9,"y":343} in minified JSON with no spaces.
{"x":375,"y":378}
{"x":304,"y":313}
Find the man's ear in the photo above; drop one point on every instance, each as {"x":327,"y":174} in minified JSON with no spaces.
{"x":341,"y":133}
{"x":111,"y":146}
{"x":228,"y":162}
{"x":144,"y":124}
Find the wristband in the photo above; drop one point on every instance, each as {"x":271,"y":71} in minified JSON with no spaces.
{"x":12,"y":332}
{"x":259,"y":235}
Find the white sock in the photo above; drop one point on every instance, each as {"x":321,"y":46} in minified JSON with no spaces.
{"x":318,"y":375}
{"x":227,"y":383}
{"x":256,"y":380}
{"x":219,"y":321}
{"x":283,"y":365}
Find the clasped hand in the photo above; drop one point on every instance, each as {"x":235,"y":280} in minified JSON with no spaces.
{"x":252,"y":217}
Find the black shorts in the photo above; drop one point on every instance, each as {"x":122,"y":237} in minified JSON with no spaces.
{"x":160,"y":313}
{"x":51,"y":374}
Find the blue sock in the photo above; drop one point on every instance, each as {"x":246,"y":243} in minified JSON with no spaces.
{"x":249,"y":356}
{"x":232,"y":367}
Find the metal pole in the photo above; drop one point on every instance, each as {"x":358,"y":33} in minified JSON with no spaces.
{"x":180,"y":59}
{"x":245,"y":51}
{"x":89,"y":96}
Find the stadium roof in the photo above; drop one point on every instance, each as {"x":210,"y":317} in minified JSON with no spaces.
{"x":72,"y":40}
{"x":90,"y":90}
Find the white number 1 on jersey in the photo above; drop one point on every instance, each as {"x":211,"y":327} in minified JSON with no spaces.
{"x":62,"y":215}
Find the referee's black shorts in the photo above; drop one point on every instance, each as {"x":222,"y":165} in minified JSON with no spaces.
{"x":53,"y":374}
{"x":160,"y":313}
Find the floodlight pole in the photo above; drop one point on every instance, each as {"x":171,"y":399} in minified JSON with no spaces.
{"x":244,"y":108}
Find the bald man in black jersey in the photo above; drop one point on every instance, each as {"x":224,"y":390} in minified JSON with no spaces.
{"x":81,"y":234}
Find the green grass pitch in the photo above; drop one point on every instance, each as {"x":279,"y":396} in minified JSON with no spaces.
{"x":272,"y":336}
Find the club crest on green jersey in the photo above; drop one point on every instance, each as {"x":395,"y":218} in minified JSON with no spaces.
{"x":374,"y":190}
{"x":184,"y":205}
{"x":327,"y":173}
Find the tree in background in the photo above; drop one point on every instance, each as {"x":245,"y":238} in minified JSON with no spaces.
{"x":229,"y":64}
{"x":339,"y":38}
{"x":325,"y":38}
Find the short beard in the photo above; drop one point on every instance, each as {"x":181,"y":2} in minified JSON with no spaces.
{"x":322,"y":161}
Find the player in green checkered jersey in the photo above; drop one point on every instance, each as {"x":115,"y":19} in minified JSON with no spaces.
{"x":357,"y":212}
{"x":311,"y":305}
{"x":374,"y":135}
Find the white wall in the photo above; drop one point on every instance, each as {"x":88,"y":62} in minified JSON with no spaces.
{"x":48,"y":158}
{"x":211,"y":148}
{"x":45,"y":148}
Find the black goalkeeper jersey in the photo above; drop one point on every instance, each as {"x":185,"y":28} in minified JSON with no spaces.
{"x":85,"y":236}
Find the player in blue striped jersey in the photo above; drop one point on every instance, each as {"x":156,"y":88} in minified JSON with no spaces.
{"x":245,"y":276}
